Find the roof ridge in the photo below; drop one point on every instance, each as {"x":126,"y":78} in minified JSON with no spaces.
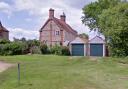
{"x":98,"y":37}
{"x":65,"y":25}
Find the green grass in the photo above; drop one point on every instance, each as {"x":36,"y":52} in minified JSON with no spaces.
{"x":61,"y":72}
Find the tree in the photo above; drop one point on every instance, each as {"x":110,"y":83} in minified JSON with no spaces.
{"x":92,"y":11}
{"x":111,"y":19}
{"x":83,"y":35}
{"x":3,"y":41}
{"x":113,"y":22}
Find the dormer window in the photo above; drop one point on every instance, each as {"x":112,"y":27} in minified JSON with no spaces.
{"x":57,"y":32}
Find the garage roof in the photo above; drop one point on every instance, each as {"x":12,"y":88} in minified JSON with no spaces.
{"x":79,"y":40}
{"x":97,"y":39}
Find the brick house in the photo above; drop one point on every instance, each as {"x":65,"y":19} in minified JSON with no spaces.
{"x":56,"y":31}
{"x":4,"y":33}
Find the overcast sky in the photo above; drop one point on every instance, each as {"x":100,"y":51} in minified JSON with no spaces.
{"x":24,"y":18}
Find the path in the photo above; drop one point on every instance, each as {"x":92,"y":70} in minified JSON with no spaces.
{"x":4,"y":66}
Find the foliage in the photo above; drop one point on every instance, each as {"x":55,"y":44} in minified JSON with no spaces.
{"x":83,"y":35}
{"x":114,"y":24}
{"x":65,"y":51}
{"x":35,"y":50}
{"x":111,"y":18}
{"x":56,"y":50}
{"x":32,"y":43}
{"x":44,"y":49}
{"x":13,"y":48}
{"x":23,"y":46}
{"x":60,"y":50}
{"x":3,"y":41}
{"x":19,"y":47}
{"x":92,"y":11}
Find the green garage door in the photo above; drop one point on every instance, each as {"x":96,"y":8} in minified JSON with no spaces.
{"x":77,"y":49}
{"x":96,"y":49}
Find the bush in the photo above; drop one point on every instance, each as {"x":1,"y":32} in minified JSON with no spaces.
{"x":65,"y":51}
{"x":5,"y":49}
{"x":19,"y":47}
{"x":35,"y":50}
{"x":56,"y":50}
{"x":3,"y":41}
{"x":13,"y":48}
{"x":60,"y":50}
{"x":44,"y":49}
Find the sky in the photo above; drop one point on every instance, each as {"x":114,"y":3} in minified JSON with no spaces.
{"x":24,"y":18}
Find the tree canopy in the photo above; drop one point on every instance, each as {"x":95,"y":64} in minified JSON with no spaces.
{"x":83,"y":35}
{"x":114,"y":24}
{"x":92,"y":11}
{"x":111,"y":19}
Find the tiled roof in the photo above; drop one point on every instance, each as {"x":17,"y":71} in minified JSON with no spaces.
{"x":61,"y":24}
{"x":3,"y":28}
{"x":65,"y":26}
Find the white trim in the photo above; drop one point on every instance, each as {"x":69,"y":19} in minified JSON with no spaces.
{"x":77,"y":40}
{"x":84,"y":50}
{"x":96,"y":40}
{"x":104,"y":50}
{"x":98,"y":43}
{"x":70,"y":48}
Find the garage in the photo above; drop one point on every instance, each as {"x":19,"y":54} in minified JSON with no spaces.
{"x":97,"y":46}
{"x":96,"y":49}
{"x":77,"y":49}
{"x":91,"y":47}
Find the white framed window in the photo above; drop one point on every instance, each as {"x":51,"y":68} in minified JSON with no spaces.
{"x":57,"y":32}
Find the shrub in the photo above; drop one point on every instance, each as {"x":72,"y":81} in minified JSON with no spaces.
{"x":65,"y":51}
{"x":3,"y":41}
{"x":35,"y":50}
{"x":5,"y":49}
{"x":60,"y":50}
{"x":57,"y":50}
{"x":13,"y":48}
{"x":44,"y":49}
{"x":18,"y":48}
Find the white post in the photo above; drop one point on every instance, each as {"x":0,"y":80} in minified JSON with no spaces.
{"x":104,"y":50}
{"x":84,"y":49}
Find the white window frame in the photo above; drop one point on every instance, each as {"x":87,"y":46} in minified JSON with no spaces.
{"x":57,"y":33}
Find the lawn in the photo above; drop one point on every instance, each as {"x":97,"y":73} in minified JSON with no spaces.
{"x":61,"y":72}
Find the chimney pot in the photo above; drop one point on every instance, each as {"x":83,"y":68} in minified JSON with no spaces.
{"x":63,"y":17}
{"x":51,"y":13}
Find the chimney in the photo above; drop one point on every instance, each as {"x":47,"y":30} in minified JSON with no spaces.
{"x":51,"y":13}
{"x":63,"y":17}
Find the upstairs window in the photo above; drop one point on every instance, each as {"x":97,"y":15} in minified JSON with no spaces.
{"x":57,"y":33}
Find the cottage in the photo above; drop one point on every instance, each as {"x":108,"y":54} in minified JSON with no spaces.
{"x":56,"y":31}
{"x":4,"y":33}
